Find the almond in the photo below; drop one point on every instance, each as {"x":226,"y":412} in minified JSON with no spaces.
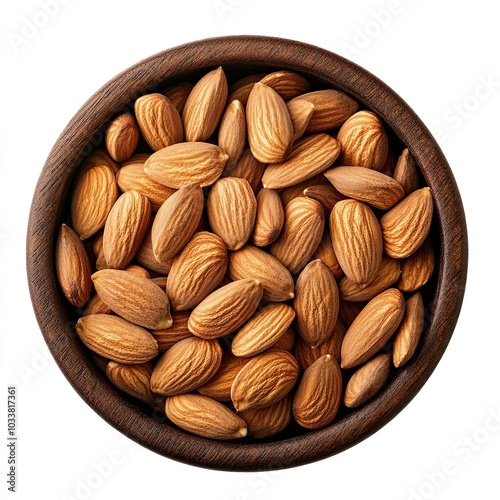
{"x":205,"y":105}
{"x":348,"y":311}
{"x":308,"y":157}
{"x":133,"y":297}
{"x":116,"y":339}
{"x":357,"y":240}
{"x":122,"y":137}
{"x":300,"y":112}
{"x":133,"y":268}
{"x":146,"y":257}
{"x":196,"y":270}
{"x":176,"y":221}
{"x":178,"y":94}
{"x":269,"y":218}
{"x":288,"y":84}
{"x":325,"y":253}
{"x":328,"y":196}
{"x":296,"y":191}
{"x":96,"y":306}
{"x":286,"y":342}
{"x":316,"y":303}
{"x":406,"y":172}
{"x":167,"y":337}
{"x":248,"y":168}
{"x":418,"y":268}
{"x":226,"y":309}
{"x":270,"y":128}
{"x":159,"y":121}
{"x":232,"y":132}
{"x":406,"y":226}
{"x":97,"y":248}
{"x":264,"y":380}
{"x":231,"y":209}
{"x":367,"y":381}
{"x":188,"y":364}
{"x":319,"y":394}
{"x":98,"y":157}
{"x":373,"y":327}
{"x":241,"y":89}
{"x":204,"y":417}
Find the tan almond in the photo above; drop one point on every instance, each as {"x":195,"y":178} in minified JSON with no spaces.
{"x":116,"y":339}
{"x":205,"y":105}
{"x":328,"y":196}
{"x":418,"y":268}
{"x":325,"y":253}
{"x":187,"y":163}
{"x":309,"y":156}
{"x":159,"y":121}
{"x":73,"y":268}
{"x":319,"y":394}
{"x":373,"y":327}
{"x":367,"y":381}
{"x":288,"y":84}
{"x":301,"y":233}
{"x":269,"y":219}
{"x":366,"y":185}
{"x":316,"y":303}
{"x":241,"y":88}
{"x":406,"y":226}
{"x":231,"y":209}
{"x":262,"y":330}
{"x":232,"y":132}
{"x":196,"y":270}
{"x":122,"y":137}
{"x":296,"y":191}
{"x":357,"y":240}
{"x":364,"y":141}
{"x":178,"y":94}
{"x":409,"y":332}
{"x":248,"y":168}
{"x":300,"y":112}
{"x":204,"y":417}
{"x":97,"y":248}
{"x":264,"y":380}
{"x":167,"y":337}
{"x":134,"y":268}
{"x":93,"y":197}
{"x":406,"y":172}
{"x":133,"y":297}
{"x":145,"y":257}
{"x":95,"y":305}
{"x":187,"y":365}
{"x":269,"y":126}
{"x":225,"y":309}
{"x":286,"y":342}
{"x":98,"y":157}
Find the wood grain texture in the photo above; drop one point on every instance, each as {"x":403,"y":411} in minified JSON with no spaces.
{"x":240,"y":56}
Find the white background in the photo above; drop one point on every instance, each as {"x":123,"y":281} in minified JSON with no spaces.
{"x":437,"y":56}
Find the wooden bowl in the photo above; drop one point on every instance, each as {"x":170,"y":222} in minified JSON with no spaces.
{"x":242,"y":55}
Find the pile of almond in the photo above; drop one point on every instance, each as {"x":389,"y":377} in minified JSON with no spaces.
{"x":248,"y":257}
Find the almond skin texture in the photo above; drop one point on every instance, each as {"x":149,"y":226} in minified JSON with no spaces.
{"x":116,"y":339}
{"x":248,"y":168}
{"x":406,"y":226}
{"x":316,"y":303}
{"x":205,"y":105}
{"x":328,"y":196}
{"x":357,"y":240}
{"x":73,"y":267}
{"x":252,"y":262}
{"x":145,"y":257}
{"x":188,"y":364}
{"x":232,"y":132}
{"x":364,"y":141}
{"x":406,"y":172}
{"x":367,"y":381}
{"x":417,"y":269}
{"x":179,"y":330}
{"x":226,"y":309}
{"x":308,"y":157}
{"x":301,"y":233}
{"x":262,"y":330}
{"x":286,"y":83}
{"x":325,"y":253}
{"x":319,"y":394}
{"x":133,"y":297}
{"x":286,"y":342}
{"x":204,"y":417}
{"x":196,"y":271}
{"x":122,"y":137}
{"x":93,"y":198}
{"x":187,"y":163}
{"x":373,"y":327}
{"x":178,"y":94}
{"x":125,"y":228}
{"x":269,"y":219}
{"x":288,"y":194}
{"x":270,"y":128}
{"x":264,"y":380}
{"x":176,"y":221}
{"x":362,"y":184}
{"x":300,"y":113}
{"x":231,"y":208}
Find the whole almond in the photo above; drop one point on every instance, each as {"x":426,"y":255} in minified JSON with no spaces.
{"x":205,"y":105}
{"x":178,"y":94}
{"x":133,"y":297}
{"x":248,"y":168}
{"x":325,"y":253}
{"x":122,"y":137}
{"x":96,"y":306}
{"x":367,"y":381}
{"x":418,"y":268}
{"x":167,"y":337}
{"x":231,"y":209}
{"x":125,"y":228}
{"x":252,"y":262}
{"x":134,"y":268}
{"x":319,"y":394}
{"x":328,"y":196}
{"x":300,"y":112}
{"x":373,"y":327}
{"x":232,"y":132}
{"x":187,"y":163}
{"x":145,"y":257}
{"x":188,"y":364}
{"x":316,"y":303}
{"x":196,"y":270}
{"x":226,"y":309}
{"x":406,"y":172}
{"x":269,"y":219}
{"x":98,"y":157}
{"x":357,"y":240}
{"x":204,"y":417}
{"x":269,"y":126}
{"x":264,"y":380}
{"x":406,"y":226}
{"x":288,"y":84}
{"x":176,"y":221}
{"x":309,"y":156}
{"x":73,"y":268}
{"x":241,"y":88}
{"x":116,"y":339}
{"x":159,"y":121}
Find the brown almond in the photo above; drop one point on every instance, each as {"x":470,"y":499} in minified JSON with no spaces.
{"x":97,"y":247}
{"x":269,"y":218}
{"x":96,"y":306}
{"x":134,"y":268}
{"x":418,"y":268}
{"x":98,"y":157}
{"x":288,"y":84}
{"x":296,"y":191}
{"x":300,"y":112}
{"x":241,"y":89}
{"x":232,"y":132}
{"x":178,"y":94}
{"x":406,"y":172}
{"x":145,"y":257}
{"x":328,"y":196}
{"x":348,"y":311}
{"x":167,"y":337}
{"x":286,"y":342}
{"x":248,"y":168}
{"x":122,"y":137}
{"x":325,"y":253}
